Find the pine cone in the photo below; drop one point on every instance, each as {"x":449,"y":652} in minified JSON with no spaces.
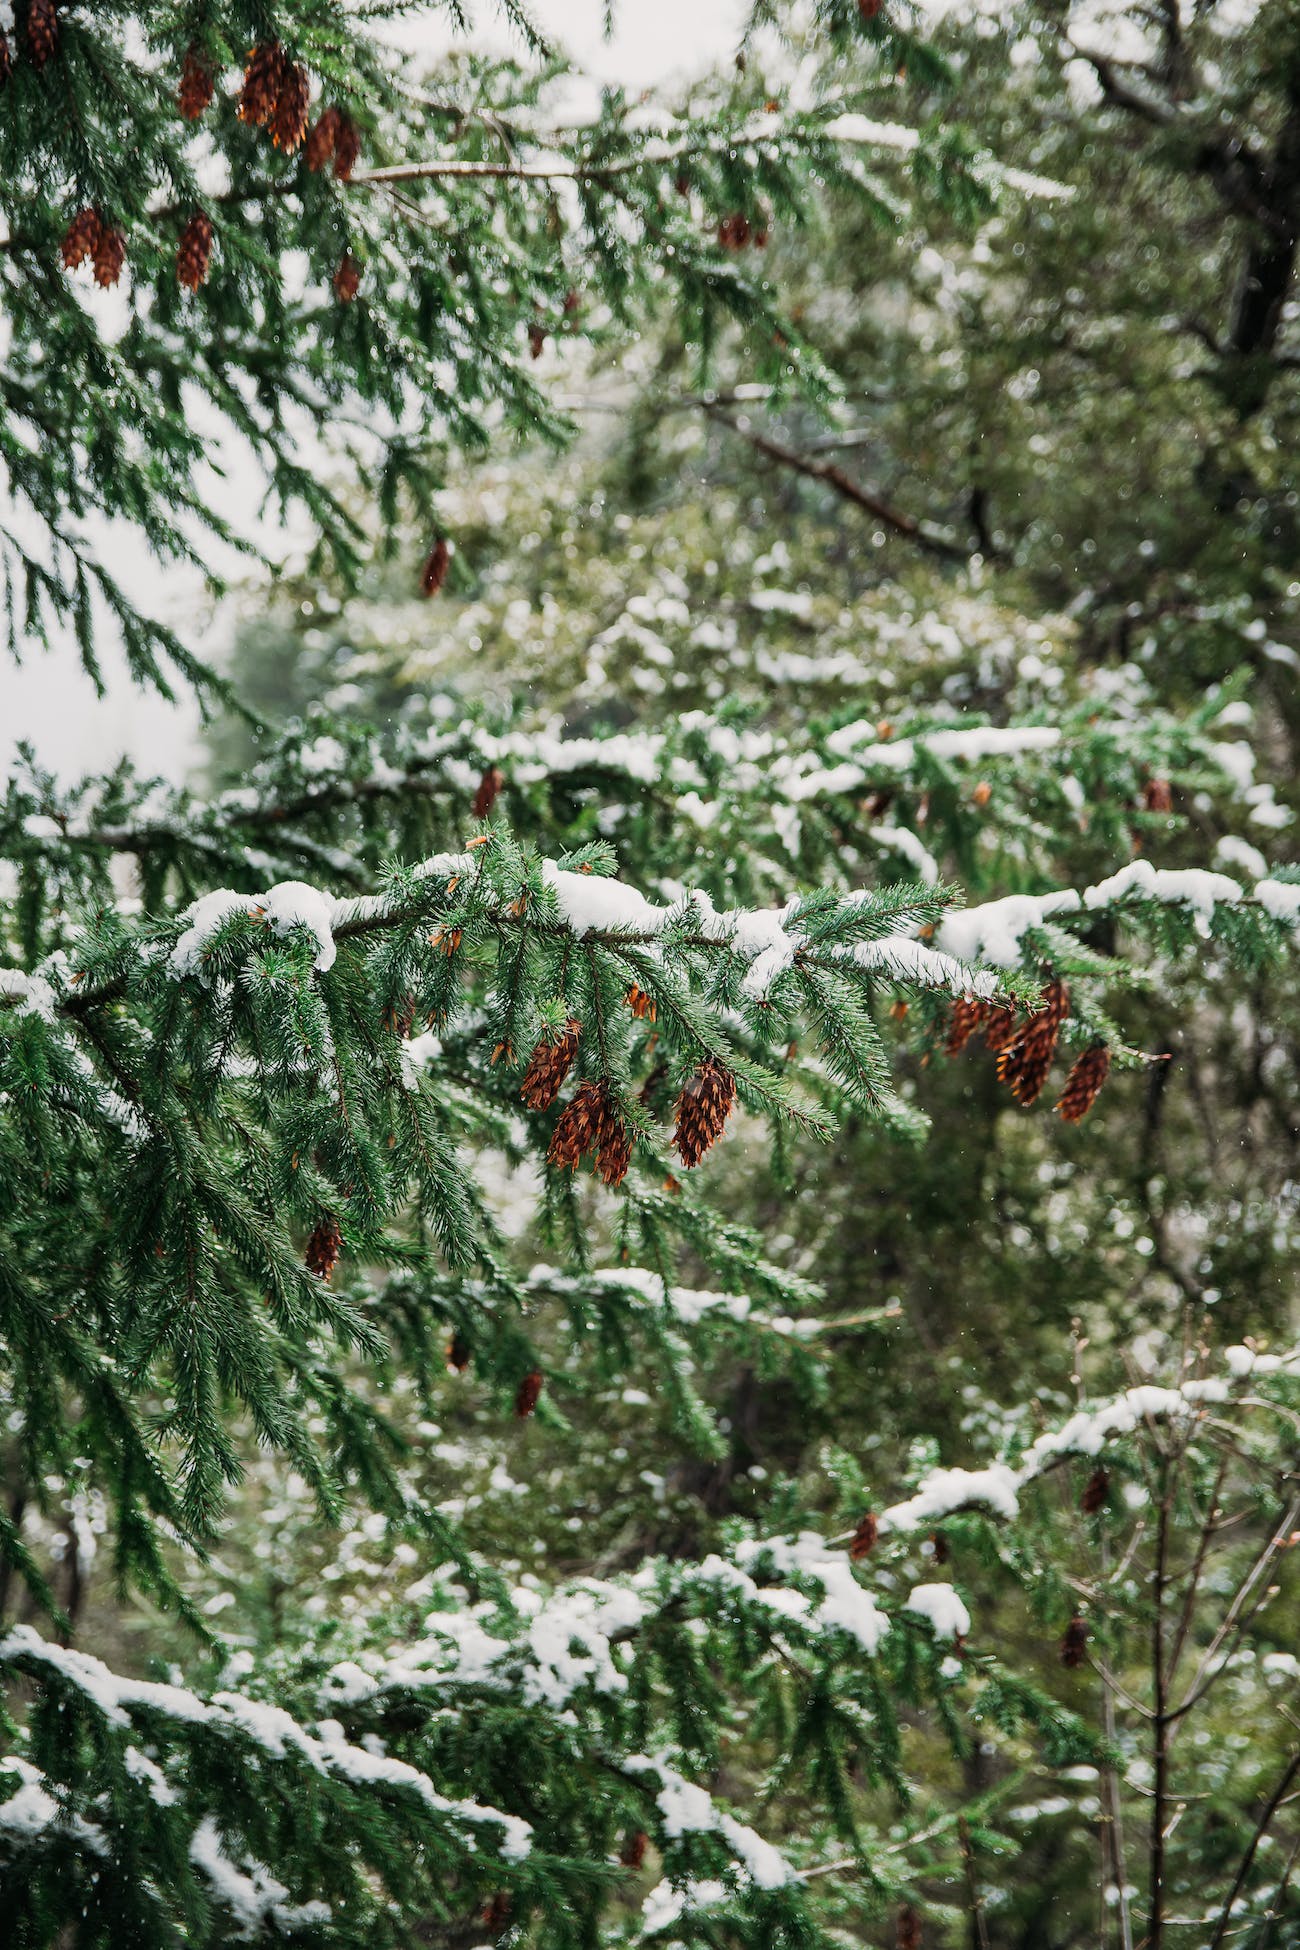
{"x":497,"y":1913}
{"x":6,"y":58}
{"x":1074,"y":1644}
{"x":42,"y":31}
{"x":864,"y":1537}
{"x":325,"y":1247}
{"x":436,"y":567}
{"x":347,"y":279}
{"x":590,"y":1123}
{"x":1001,"y":1028}
{"x":263,"y":77}
{"x":1096,"y":1492}
{"x":81,"y":238}
{"x":197,"y":83}
{"x":1023,"y":1065}
{"x":347,"y":147}
{"x":110,"y":255}
{"x":968,"y":1015}
{"x":459,"y":1353}
{"x":1158,"y":796}
{"x":288,"y":123}
{"x":909,"y":1928}
{"x":869,"y":8}
{"x":633,"y":1852}
{"x":194,"y":252}
{"x":528,"y":1394}
{"x":702,"y":1109}
{"x":536,"y":340}
{"x":1083,"y":1085}
{"x":939,"y":1545}
{"x":549,"y":1065}
{"x":323,"y":140}
{"x":488,"y":788}
{"x":643,"y":1006}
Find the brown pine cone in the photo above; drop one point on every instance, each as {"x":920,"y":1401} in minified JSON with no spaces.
{"x":81,"y":238}
{"x":909,"y":1928}
{"x":528,"y":1395}
{"x":323,"y":140}
{"x":347,"y":147}
{"x":1023,"y":1065}
{"x":197,"y":84}
{"x":590,"y":1123}
{"x":263,"y":77}
{"x":968,"y":1014}
{"x":347,"y":279}
{"x":1075,"y":1643}
{"x":702,"y":1110}
{"x":643,"y":1006}
{"x":633,"y":1852}
{"x":288,"y":123}
{"x":459,"y":1353}
{"x":1158,"y":796}
{"x":6,"y":58}
{"x":42,"y":31}
{"x":864,"y":1537}
{"x":1083,"y":1085}
{"x":489,"y":786}
{"x":549,"y":1065}
{"x":110,"y":255}
{"x":1096,"y":1491}
{"x":436,"y":566}
{"x":324,"y":1247}
{"x":194,"y":252}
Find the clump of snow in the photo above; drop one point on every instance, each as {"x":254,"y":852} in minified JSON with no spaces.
{"x":994,"y":931}
{"x":251,"y":1894}
{"x":1281,"y":899}
{"x":948,"y":1616}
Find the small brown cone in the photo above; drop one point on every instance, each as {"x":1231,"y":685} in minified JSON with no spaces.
{"x":590,"y":1123}
{"x":263,"y":76}
{"x":549,"y":1065}
{"x":1158,"y":796}
{"x":968,"y":1015}
{"x":1075,"y":1643}
{"x":633,"y":1852}
{"x":702,"y":1110}
{"x":536,"y":340}
{"x":459,"y":1353}
{"x":325,"y":1247}
{"x":864,"y":1537}
{"x":1096,"y":1492}
{"x":528,"y":1394}
{"x":347,"y":147}
{"x":110,"y":255}
{"x":489,"y":787}
{"x":6,"y":58}
{"x":497,"y":1913}
{"x":288,"y":123}
{"x":909,"y":1928}
{"x":197,"y":83}
{"x":1000,"y":1029}
{"x":437,"y":563}
{"x":323,"y":140}
{"x":42,"y":31}
{"x":1023,"y":1065}
{"x":194,"y":252}
{"x":347,"y":279}
{"x":81,"y":238}
{"x":1083,"y":1085}
{"x":869,"y":8}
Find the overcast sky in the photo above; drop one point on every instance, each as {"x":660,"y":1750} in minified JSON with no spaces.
{"x":48,"y":700}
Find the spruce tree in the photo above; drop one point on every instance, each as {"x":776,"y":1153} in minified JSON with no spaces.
{"x":283,"y":1121}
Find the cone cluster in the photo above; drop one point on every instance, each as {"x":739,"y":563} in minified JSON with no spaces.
{"x":549,"y":1065}
{"x":1024,"y":1063}
{"x":42,"y":31}
{"x":737,"y":232}
{"x":590,"y":1123}
{"x":324,"y":1247}
{"x":274,"y":96}
{"x":1083,"y":1085}
{"x":334,"y":139}
{"x":702,"y":1110}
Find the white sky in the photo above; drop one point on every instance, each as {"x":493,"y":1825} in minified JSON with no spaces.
{"x":48,"y":700}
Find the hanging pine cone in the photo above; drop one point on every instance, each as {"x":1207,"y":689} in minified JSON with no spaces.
{"x":194,"y":252}
{"x":1158,"y":796}
{"x":197,"y":83}
{"x":869,"y":8}
{"x":909,"y":1928}
{"x":549,"y":1065}
{"x":590,"y":1123}
{"x":1083,"y":1085}
{"x":939,"y":1545}
{"x":968,"y":1014}
{"x":459,"y":1353}
{"x":288,"y":123}
{"x":42,"y":31}
{"x":1023,"y":1065}
{"x":497,"y":1913}
{"x":528,"y":1394}
{"x":489,"y":786}
{"x":1074,"y":1644}
{"x":436,"y":566}
{"x":6,"y":58}
{"x":643,"y":1006}
{"x":864,"y":1537}
{"x":81,"y":238}
{"x":110,"y":255}
{"x":323,"y":140}
{"x":1096,"y":1492}
{"x":263,"y":77}
{"x":347,"y":147}
{"x":324,"y":1247}
{"x":536,"y":340}
{"x":702,"y":1109}
{"x":633,"y":1852}
{"x":1000,"y":1029}
{"x":347,"y":279}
